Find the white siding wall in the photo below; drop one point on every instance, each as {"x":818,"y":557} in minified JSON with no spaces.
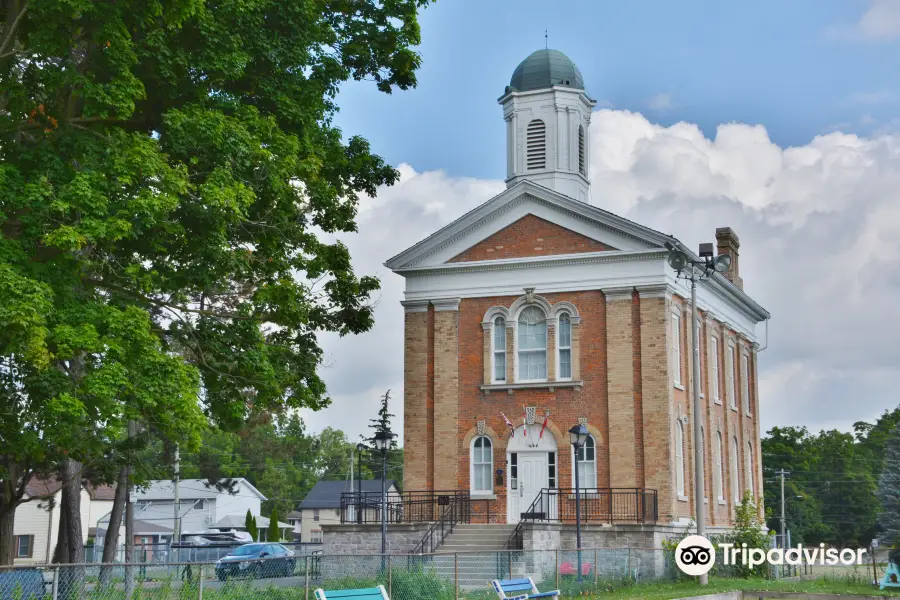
{"x":32,"y":519}
{"x":244,"y":499}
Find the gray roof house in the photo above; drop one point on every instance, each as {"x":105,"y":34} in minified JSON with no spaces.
{"x":327,"y":494}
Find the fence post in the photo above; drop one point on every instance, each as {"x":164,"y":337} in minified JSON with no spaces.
{"x":556,"y":552}
{"x":628,"y":565}
{"x":595,"y":566}
{"x":55,"y":582}
{"x":509,"y":563}
{"x":306,"y":578}
{"x":390,"y":576}
{"x":456,"y":574}
{"x":200,"y":585}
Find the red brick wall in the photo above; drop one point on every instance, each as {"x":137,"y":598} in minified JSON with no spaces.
{"x":530,"y":236}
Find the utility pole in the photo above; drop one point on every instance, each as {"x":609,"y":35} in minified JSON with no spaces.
{"x":176,"y":529}
{"x":698,"y":418}
{"x":782,"y":473}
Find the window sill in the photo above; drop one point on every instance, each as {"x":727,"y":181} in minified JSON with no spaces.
{"x":717,"y":401}
{"x":682,"y":498}
{"x":531,"y":385}
{"x":702,"y":395}
{"x":482,"y":496}
{"x":722,"y":502}
{"x":734,"y":408}
{"x":748,"y":415}
{"x":679,"y":386}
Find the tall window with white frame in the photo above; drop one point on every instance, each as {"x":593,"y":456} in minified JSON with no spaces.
{"x":587,"y":464}
{"x":532,"y":344}
{"x":679,"y":458}
{"x":745,"y":383}
{"x":676,"y":348}
{"x":498,"y":350}
{"x":719,"y":481}
{"x":565,"y":347}
{"x":731,"y":367}
{"x":482,"y":465}
{"x":735,"y":479}
{"x":714,"y":361}
{"x":748,"y":469}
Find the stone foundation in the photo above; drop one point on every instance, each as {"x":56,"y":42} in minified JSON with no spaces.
{"x":366,"y":539}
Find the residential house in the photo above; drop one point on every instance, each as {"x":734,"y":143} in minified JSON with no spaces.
{"x":295,"y":519}
{"x":36,"y":528}
{"x":202,"y":508}
{"x":322,"y":505}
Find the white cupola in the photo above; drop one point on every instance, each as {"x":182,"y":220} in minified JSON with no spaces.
{"x":547,"y":116}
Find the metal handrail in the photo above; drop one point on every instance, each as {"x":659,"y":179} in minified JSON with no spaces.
{"x":513,"y":539}
{"x":445,"y":530}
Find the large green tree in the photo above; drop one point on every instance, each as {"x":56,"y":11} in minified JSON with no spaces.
{"x":165,"y":166}
{"x":889,"y":489}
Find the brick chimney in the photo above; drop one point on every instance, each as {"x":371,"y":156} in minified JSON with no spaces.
{"x":727,"y":243}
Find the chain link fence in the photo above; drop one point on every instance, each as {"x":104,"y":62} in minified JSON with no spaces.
{"x":405,"y":577}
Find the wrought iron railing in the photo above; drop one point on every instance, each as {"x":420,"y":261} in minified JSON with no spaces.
{"x":598,"y":505}
{"x":403,"y":507}
{"x":459,"y":510}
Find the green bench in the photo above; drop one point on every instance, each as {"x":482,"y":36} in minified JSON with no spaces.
{"x":375,"y":593}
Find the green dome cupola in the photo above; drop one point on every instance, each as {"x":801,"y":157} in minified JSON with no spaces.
{"x":544,"y":69}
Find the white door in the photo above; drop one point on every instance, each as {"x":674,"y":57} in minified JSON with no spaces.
{"x":528,"y":476}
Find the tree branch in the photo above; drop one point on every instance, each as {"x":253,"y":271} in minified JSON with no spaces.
{"x":9,"y":29}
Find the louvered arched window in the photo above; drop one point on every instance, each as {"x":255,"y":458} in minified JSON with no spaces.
{"x":581,"y":149}
{"x":536,"y":139}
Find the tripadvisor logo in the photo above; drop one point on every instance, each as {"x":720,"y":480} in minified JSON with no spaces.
{"x":695,"y":555}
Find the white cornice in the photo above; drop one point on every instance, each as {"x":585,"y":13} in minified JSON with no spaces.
{"x":556,"y":260}
{"x":446,"y":304}
{"x":415,"y":306}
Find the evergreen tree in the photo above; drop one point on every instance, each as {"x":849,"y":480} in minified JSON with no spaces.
{"x":889,"y":489}
{"x":274,"y":531}
{"x":250,"y":526}
{"x":383,"y":423}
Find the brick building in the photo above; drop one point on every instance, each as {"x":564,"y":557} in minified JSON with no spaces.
{"x":542,"y":309}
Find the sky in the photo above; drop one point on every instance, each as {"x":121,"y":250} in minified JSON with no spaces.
{"x":778,"y":119}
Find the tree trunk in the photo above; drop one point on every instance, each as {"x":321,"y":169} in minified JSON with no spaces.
{"x":12,"y":492}
{"x":70,"y":528}
{"x":111,"y":539}
{"x":7,"y":543}
{"x":61,"y":552}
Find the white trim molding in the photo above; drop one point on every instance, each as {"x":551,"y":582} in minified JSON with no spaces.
{"x":415,"y":306}
{"x":446,"y":304}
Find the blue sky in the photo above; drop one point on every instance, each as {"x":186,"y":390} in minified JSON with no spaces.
{"x":791,"y":66}
{"x":778,"y":119}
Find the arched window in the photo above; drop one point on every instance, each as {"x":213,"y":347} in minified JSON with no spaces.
{"x":719,"y":475}
{"x":498,"y":350}
{"x":587,"y":464}
{"x":735,"y":481}
{"x":679,"y":458}
{"x":748,"y":469}
{"x":581,"y":149}
{"x":536,"y":139}
{"x":532,"y":344}
{"x":482,"y":465}
{"x":564,"y":344}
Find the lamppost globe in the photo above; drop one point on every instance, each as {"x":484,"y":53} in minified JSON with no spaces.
{"x":722,"y":263}
{"x":578,"y":435}
{"x":383,"y":440}
{"x":360,"y":447}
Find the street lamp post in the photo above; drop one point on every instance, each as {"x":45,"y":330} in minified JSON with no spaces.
{"x":382,"y":443}
{"x":360,"y":448}
{"x":694,"y":271}
{"x":578,"y":436}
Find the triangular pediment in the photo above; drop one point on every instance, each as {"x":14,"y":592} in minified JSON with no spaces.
{"x":513,"y":218}
{"x":531,"y":236}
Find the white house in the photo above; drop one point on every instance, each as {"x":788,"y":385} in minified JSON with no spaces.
{"x":37,"y":521}
{"x":202,"y":508}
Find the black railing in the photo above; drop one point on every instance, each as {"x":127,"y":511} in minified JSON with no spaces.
{"x":404,"y":507}
{"x":598,"y":505}
{"x":459,"y":510}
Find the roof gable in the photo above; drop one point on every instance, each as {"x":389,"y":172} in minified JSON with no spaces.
{"x":531,"y":236}
{"x":327,"y":494}
{"x":523,"y":199}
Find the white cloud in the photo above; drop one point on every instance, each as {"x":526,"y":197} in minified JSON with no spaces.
{"x":880,"y":22}
{"x":819,"y":226}
{"x":661,"y":101}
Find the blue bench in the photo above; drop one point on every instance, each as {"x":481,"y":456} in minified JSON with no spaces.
{"x":520,"y":589}
{"x":375,"y":593}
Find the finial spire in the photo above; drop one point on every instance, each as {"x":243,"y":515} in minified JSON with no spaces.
{"x":546,"y":42}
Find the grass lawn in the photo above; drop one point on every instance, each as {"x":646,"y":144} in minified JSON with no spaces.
{"x":663,"y":591}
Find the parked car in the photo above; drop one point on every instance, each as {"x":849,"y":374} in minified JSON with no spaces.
{"x":256,"y":561}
